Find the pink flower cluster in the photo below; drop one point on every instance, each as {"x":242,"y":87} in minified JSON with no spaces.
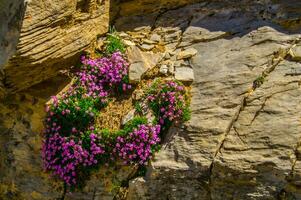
{"x":64,"y":155}
{"x":72,"y":145}
{"x":100,"y":76}
{"x":136,"y":147}
{"x":170,"y":100}
{"x":65,"y":149}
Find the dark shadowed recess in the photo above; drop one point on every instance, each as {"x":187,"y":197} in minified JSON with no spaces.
{"x":11,"y":18}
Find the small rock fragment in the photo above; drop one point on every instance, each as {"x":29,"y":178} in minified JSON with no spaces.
{"x":188,"y":53}
{"x":147,"y":47}
{"x":296,"y":53}
{"x":155,"y":37}
{"x":128,"y":43}
{"x":100,"y":43}
{"x":146,"y":41}
{"x":164,"y":69}
{"x":184,"y":74}
{"x":123,"y":35}
{"x":136,"y":70}
{"x":167,"y":55}
{"x":128,"y":117}
{"x":138,"y":94}
{"x":171,"y":68}
{"x":171,"y":46}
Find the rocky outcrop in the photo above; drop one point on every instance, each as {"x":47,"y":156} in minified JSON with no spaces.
{"x":52,"y":35}
{"x":243,"y":138}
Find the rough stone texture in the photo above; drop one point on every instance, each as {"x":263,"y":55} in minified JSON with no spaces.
{"x":296,"y":53}
{"x":184,"y":74}
{"x":11,"y":15}
{"x":239,"y":143}
{"x":242,"y":142}
{"x":140,"y":62}
{"x":21,"y":122}
{"x":259,"y":151}
{"x":53,"y":33}
{"x":187,"y":53}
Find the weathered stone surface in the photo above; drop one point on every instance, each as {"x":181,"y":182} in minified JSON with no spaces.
{"x":206,"y":159}
{"x":138,"y":7}
{"x":103,"y":184}
{"x":128,"y":117}
{"x":295,"y":53}
{"x":53,"y":33}
{"x":155,"y":37}
{"x":187,"y":53}
{"x":137,"y":189}
{"x":147,"y":47}
{"x":21,"y":123}
{"x":261,"y":143}
{"x":163,"y":69}
{"x":184,"y":74}
{"x":140,"y":62}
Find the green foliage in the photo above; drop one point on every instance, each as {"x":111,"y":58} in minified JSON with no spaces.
{"x":131,"y":125}
{"x":128,"y":127}
{"x":186,"y":114}
{"x":81,"y":112}
{"x":138,"y":107}
{"x":114,"y":43}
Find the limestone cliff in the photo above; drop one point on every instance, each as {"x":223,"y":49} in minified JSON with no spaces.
{"x":243,"y":139}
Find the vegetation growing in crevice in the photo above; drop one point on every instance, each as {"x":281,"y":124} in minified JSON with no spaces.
{"x":74,"y":146}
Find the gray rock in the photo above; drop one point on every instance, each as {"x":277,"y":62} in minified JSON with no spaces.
{"x":128,"y":43}
{"x":171,"y":68}
{"x":296,"y":53}
{"x":140,"y":62}
{"x":155,"y":37}
{"x":147,"y":47}
{"x":136,"y":70}
{"x":164,"y":69}
{"x":137,"y":189}
{"x":128,"y":117}
{"x":238,"y":144}
{"x":187,"y":53}
{"x":184,"y":74}
{"x":146,"y":41}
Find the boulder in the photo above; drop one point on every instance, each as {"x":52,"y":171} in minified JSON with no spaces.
{"x":164,"y":69}
{"x":140,"y":62}
{"x":184,"y":74}
{"x":187,"y":53}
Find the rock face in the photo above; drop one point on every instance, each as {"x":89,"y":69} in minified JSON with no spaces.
{"x":242,"y":140}
{"x":53,"y":33}
{"x":244,"y":137}
{"x":21,"y":122}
